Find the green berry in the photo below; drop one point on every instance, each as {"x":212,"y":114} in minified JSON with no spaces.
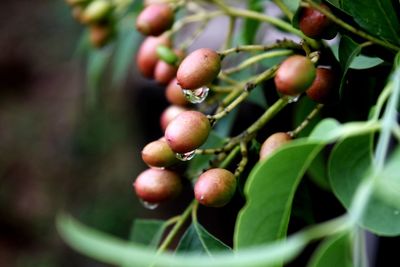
{"x":215,"y":187}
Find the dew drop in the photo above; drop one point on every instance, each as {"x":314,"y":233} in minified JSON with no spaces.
{"x":185,"y":156}
{"x":149,"y":205}
{"x":196,"y":96}
{"x":293,"y":99}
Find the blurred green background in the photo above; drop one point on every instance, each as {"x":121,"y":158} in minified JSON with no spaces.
{"x":57,"y":152}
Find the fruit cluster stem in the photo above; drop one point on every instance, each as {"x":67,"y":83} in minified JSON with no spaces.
{"x":288,"y":44}
{"x":284,"y":8}
{"x":306,"y":121}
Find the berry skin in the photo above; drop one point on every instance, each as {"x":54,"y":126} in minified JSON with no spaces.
{"x":215,"y":187}
{"x":198,"y":69}
{"x":100,"y":34}
{"x":155,"y":19}
{"x":147,"y":57}
{"x":165,"y":72}
{"x":314,"y":24}
{"x":324,"y":85}
{"x":169,"y":114}
{"x":174,"y":94}
{"x":157,"y":185}
{"x":295,"y":75}
{"x":158,"y":154}
{"x":272,"y":143}
{"x":188,"y":131}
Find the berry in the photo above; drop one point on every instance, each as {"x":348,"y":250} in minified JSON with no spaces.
{"x":188,"y":131}
{"x":100,"y":34}
{"x":169,"y":114}
{"x":272,"y":143}
{"x":324,"y":85}
{"x":175,"y":95}
{"x":164,"y":72}
{"x":295,"y":75}
{"x":198,"y":69}
{"x":314,"y":24}
{"x":147,"y":57}
{"x":155,"y":19}
{"x":158,"y":154}
{"x":157,"y":185}
{"x":97,"y":10}
{"x":215,"y":187}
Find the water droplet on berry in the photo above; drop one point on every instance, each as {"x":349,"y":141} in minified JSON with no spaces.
{"x":185,"y":156}
{"x":293,"y":99}
{"x":197,"y":95}
{"x":149,"y":205}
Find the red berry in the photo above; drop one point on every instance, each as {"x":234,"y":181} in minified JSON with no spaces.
{"x":155,"y":19}
{"x":324,"y":85}
{"x":199,"y":69}
{"x":164,"y":72}
{"x":188,"y":131}
{"x":169,"y":114}
{"x":175,"y":95}
{"x":157,"y":185}
{"x":272,"y":143}
{"x":147,"y":57}
{"x":314,"y":24}
{"x":158,"y":154}
{"x":215,"y":187}
{"x":295,"y":75}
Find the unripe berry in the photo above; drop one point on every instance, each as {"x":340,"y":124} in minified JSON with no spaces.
{"x":215,"y":187}
{"x":97,"y":10}
{"x":169,"y":114}
{"x":272,"y":143}
{"x":158,"y":154}
{"x":155,"y":19}
{"x":175,"y":95}
{"x":314,"y":24}
{"x":157,"y":185}
{"x":198,"y":69}
{"x":165,"y":72}
{"x":188,"y":131}
{"x":147,"y":57}
{"x":100,"y":34}
{"x":295,"y":75}
{"x":324,"y":85}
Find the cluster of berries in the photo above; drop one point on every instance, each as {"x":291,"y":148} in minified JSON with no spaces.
{"x":97,"y":15}
{"x":186,"y":130}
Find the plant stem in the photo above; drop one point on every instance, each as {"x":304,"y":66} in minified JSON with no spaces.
{"x":350,"y":28}
{"x":250,"y":48}
{"x":243,"y":162}
{"x":243,"y":13}
{"x":229,"y":36}
{"x":189,"y":41}
{"x":250,"y":61}
{"x":285,"y":10}
{"x":174,"y":231}
{"x":306,"y":121}
{"x":225,"y":163}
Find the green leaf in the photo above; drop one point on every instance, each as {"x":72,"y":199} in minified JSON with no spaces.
{"x":348,"y":50}
{"x":360,"y":62}
{"x":293,"y":5}
{"x":257,"y":97}
{"x":269,"y":190}
{"x":199,"y":240}
{"x":322,"y":131}
{"x":378,"y":17}
{"x":333,"y":252}
{"x":127,"y":44}
{"x":147,"y":232}
{"x":111,"y":250}
{"x":349,"y":164}
{"x":249,"y":30}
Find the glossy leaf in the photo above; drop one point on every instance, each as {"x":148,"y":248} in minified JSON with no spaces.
{"x":269,"y":190}
{"x":361,"y":61}
{"x":333,"y":252}
{"x":199,"y":240}
{"x":111,"y":250}
{"x":378,"y":17}
{"x":147,"y":232}
{"x":349,"y":164}
{"x":348,"y":50}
